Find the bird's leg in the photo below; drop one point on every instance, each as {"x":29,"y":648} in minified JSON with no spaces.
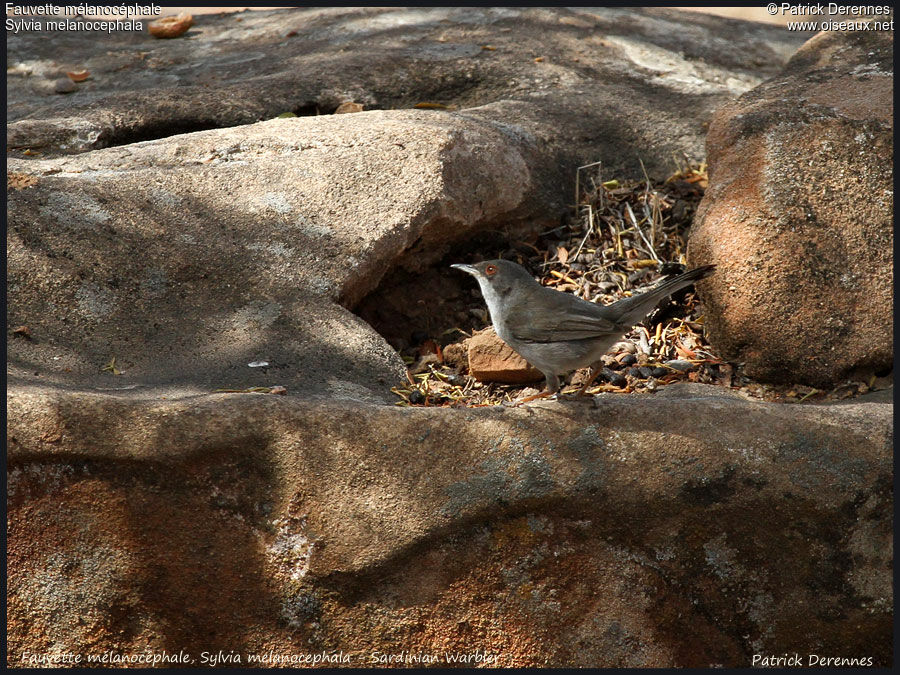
{"x":534,"y":397}
{"x":595,"y":371}
{"x":552,"y":386}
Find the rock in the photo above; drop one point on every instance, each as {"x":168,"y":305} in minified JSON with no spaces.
{"x":492,"y":360}
{"x":627,"y":359}
{"x":64,"y":85}
{"x":613,"y":85}
{"x":170,"y":26}
{"x":614,"y":378}
{"x":348,"y":107}
{"x":456,"y":355}
{"x":248,"y":243}
{"x":697,"y":525}
{"x":282,"y":226}
{"x":799,"y":216}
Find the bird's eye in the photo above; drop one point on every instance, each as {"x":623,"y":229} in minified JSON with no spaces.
{"x":490,"y":270}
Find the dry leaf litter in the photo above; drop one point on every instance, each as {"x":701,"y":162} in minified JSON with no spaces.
{"x":622,"y":239}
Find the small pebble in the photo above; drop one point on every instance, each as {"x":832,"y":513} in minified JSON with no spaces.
{"x":64,"y":86}
{"x":349,"y":107}
{"x":646,"y":372}
{"x":678,"y":364}
{"x":614,"y":378}
{"x":627,"y":360}
{"x":416,"y":397}
{"x":170,"y":26}
{"x":659,"y":372}
{"x":636,"y":373}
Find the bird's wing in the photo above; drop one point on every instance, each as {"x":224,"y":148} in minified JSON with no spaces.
{"x":561,"y":317}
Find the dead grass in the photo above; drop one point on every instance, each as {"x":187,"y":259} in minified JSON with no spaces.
{"x":622,"y":237}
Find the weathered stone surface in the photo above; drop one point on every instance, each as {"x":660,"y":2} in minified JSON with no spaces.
{"x":187,"y":258}
{"x":611,"y":84}
{"x":492,"y":360}
{"x":799,"y":216}
{"x":190,"y":256}
{"x":687,"y":528}
{"x":146,"y":512}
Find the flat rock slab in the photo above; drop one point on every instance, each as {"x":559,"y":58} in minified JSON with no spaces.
{"x":607,"y":64}
{"x":739,"y":512}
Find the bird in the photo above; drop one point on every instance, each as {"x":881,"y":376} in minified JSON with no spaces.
{"x":557,"y":332}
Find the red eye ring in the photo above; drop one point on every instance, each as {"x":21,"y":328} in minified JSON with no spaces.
{"x":490,"y":270}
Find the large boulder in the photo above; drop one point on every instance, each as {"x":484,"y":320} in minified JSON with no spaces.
{"x":188,"y":258}
{"x":690,"y":528}
{"x":799,"y":216}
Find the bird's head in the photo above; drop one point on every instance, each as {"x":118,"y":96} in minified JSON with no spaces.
{"x":498,"y":278}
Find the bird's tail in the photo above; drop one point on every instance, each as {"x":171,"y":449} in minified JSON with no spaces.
{"x":637,"y":307}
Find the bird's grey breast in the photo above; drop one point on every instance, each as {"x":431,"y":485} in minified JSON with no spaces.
{"x":501,"y":302}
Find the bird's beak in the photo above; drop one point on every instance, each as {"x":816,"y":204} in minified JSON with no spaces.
{"x":466,"y":268}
